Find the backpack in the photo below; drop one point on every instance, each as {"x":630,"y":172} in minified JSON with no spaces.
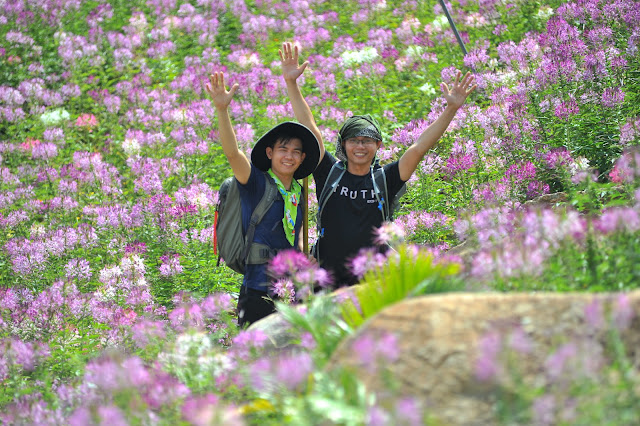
{"x":233,"y":245}
{"x":387,"y":209}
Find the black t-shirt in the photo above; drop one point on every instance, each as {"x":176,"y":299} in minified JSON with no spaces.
{"x":350,"y":217}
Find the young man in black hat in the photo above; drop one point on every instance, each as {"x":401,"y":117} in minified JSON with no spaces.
{"x":354,"y":210}
{"x":287,"y":152}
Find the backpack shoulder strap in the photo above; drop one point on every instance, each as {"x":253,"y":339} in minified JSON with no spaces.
{"x":269,"y":196}
{"x":388,"y":206}
{"x":380,"y":187}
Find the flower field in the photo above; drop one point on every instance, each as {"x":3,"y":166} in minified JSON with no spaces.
{"x":113,"y":305}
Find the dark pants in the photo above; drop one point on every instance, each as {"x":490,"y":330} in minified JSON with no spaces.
{"x":253,"y":305}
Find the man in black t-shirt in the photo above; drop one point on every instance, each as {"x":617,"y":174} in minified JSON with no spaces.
{"x":352,"y":213}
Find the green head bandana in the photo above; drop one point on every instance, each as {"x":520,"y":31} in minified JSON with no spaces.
{"x":358,"y":125}
{"x":291,"y":200}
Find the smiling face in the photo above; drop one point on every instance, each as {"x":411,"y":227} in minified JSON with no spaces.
{"x":286,"y":156}
{"x":360,"y":152}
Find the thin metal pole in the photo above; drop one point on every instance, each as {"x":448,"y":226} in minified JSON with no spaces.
{"x":453,"y":27}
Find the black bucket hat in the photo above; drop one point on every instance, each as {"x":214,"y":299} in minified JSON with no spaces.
{"x":310,"y":147}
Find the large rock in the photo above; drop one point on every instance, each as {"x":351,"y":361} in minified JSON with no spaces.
{"x":438,"y":340}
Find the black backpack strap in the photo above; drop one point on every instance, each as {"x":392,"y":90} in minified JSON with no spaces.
{"x":379,"y":178}
{"x":388,"y":206}
{"x":269,"y":196}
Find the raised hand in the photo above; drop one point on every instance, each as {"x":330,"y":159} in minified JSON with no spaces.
{"x":219,"y":95}
{"x":460,"y":89}
{"x":290,"y":68}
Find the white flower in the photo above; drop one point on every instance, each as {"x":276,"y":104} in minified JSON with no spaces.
{"x":580,"y":164}
{"x":414,"y":52}
{"x":440,"y":22}
{"x":53,"y":117}
{"x":428,"y":89}
{"x":131,"y":147}
{"x":249,"y":60}
{"x":106,"y":293}
{"x":194,"y":343}
{"x":354,"y":57}
{"x":180,"y":116}
{"x":507,"y":76}
{"x":108,"y":274}
{"x":37,"y":230}
{"x":380,"y":5}
{"x":544,"y":13}
{"x":60,"y":35}
{"x":133,"y":264}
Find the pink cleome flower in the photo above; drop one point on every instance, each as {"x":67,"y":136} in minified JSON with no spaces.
{"x":88,"y":121}
{"x":29,"y":143}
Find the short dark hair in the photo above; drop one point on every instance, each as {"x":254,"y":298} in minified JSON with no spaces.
{"x":284,"y":139}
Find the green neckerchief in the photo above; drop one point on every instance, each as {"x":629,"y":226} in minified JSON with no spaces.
{"x":291,"y":200}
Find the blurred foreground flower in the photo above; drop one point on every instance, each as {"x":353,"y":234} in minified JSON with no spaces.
{"x":207,"y":410}
{"x":389,"y":233}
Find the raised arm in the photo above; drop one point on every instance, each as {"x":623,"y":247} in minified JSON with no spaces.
{"x":221,"y":99}
{"x":455,"y":98}
{"x":291,"y":71}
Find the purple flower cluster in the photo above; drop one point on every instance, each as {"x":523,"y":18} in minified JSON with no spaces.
{"x":523,"y":246}
{"x":630,"y":131}
{"x":170,"y":265}
{"x":18,"y":356}
{"x":78,"y":269}
{"x":31,"y":255}
{"x":191,"y":313}
{"x":199,"y":194}
{"x":107,"y":380}
{"x":366,"y":260}
{"x":290,"y":266}
{"x":290,"y":371}
{"x":416,"y":221}
{"x":38,"y":316}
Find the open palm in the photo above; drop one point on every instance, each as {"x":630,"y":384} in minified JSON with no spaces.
{"x":219,"y":95}
{"x":291,"y":70}
{"x":460,"y":89}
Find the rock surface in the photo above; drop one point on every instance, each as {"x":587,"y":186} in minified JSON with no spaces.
{"x":438,"y":339}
